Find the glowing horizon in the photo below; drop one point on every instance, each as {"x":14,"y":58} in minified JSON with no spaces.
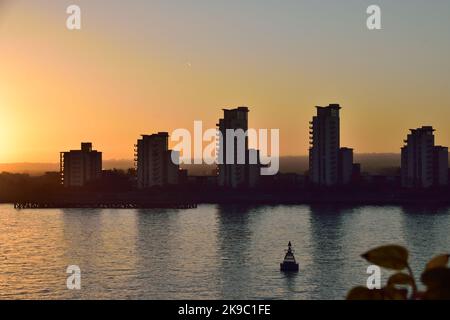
{"x":151,"y":66}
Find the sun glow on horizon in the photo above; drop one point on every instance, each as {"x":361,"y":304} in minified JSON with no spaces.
{"x":5,"y":130}
{"x":153,"y":66}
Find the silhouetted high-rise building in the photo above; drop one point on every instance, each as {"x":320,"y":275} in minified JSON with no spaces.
{"x":154,"y":161}
{"x":423,"y":164}
{"x":345,"y":166}
{"x":232,"y":173}
{"x":440,"y":166}
{"x":80,"y":166}
{"x":254,"y":170}
{"x":328,"y":164}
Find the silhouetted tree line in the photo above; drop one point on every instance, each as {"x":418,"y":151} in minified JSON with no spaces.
{"x":113,"y":181}
{"x":282,"y":188}
{"x":23,"y":186}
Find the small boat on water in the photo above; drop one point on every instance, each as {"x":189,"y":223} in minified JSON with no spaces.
{"x":289,"y":264}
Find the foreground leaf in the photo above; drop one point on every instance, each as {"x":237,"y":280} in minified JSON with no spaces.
{"x":391,"y":293}
{"x":436,"y":278}
{"x":390,"y":257}
{"x":400,"y":279}
{"x":362,"y":293}
{"x":438,"y":262}
{"x":439,"y":293}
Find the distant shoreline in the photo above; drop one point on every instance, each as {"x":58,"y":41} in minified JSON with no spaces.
{"x":140,"y":200}
{"x":371,"y":162}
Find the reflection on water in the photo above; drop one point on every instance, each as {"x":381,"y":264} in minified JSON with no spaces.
{"x":234,"y":239}
{"x":212,"y":252}
{"x":328,"y":250}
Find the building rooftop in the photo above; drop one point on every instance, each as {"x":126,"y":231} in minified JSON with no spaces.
{"x":241,"y":109}
{"x":331,"y":106}
{"x":159,"y":134}
{"x":423,"y":129}
{"x":85,"y":147}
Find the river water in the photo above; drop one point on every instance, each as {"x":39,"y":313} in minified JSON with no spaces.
{"x":212,"y":252}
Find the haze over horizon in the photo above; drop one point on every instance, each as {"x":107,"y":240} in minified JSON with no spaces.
{"x":372,"y":163}
{"x":151,"y":66}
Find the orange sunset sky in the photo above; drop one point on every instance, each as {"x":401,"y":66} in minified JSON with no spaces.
{"x":146,"y":66}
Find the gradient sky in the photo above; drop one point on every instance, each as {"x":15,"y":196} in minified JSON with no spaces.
{"x":146,"y":66}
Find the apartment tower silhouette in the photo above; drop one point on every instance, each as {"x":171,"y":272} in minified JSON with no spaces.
{"x":77,"y":167}
{"x":329,"y":165}
{"x":154,"y":163}
{"x":424,"y":165}
{"x":233,"y":174}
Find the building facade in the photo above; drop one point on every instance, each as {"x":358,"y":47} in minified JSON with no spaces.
{"x":346,"y":166}
{"x":325,"y":142}
{"x":424,"y":165}
{"x":440,"y":166}
{"x":153,"y":159}
{"x":329,"y":165}
{"x":234,"y":167}
{"x":77,"y":167}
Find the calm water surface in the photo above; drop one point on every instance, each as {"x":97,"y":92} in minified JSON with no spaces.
{"x":212,"y":252}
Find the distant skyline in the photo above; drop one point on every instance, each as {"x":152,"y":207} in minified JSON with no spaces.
{"x":148,"y":66}
{"x":373,"y":163}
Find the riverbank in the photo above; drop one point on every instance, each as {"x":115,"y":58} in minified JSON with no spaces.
{"x":186,"y":199}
